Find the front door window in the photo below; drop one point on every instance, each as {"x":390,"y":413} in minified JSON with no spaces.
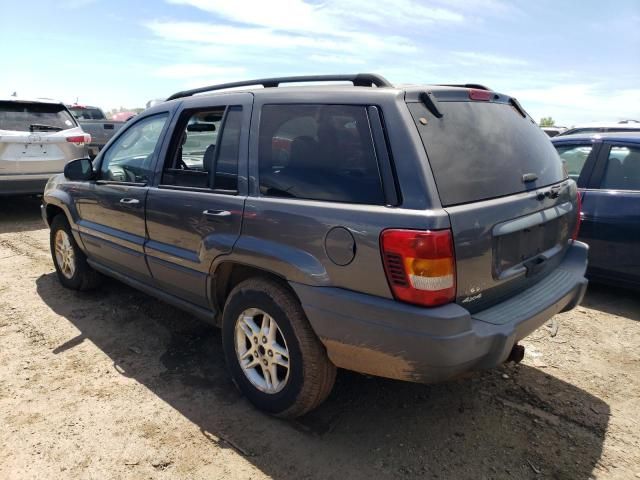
{"x":130,"y":158}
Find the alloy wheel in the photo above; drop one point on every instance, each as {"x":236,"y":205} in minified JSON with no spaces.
{"x":262,"y":351}
{"x":65,"y":256}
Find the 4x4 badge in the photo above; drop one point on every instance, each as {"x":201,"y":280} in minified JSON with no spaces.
{"x":472,"y":298}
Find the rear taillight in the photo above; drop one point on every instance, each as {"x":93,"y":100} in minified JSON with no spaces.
{"x":86,"y":138}
{"x":576,"y":229}
{"x":483,"y":95}
{"x":420,"y":265}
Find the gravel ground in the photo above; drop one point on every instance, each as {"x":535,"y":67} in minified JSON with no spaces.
{"x":114,"y":384}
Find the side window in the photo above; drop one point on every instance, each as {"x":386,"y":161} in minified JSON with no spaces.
{"x":205,"y":151}
{"x":573,"y":158}
{"x":130,"y":158}
{"x":623,"y":169}
{"x":318,"y":152}
{"x":194,"y":149}
{"x":226,"y":162}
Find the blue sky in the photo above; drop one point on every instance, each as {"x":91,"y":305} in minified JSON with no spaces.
{"x":573,"y":60}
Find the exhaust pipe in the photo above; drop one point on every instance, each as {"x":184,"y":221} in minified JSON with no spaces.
{"x":517,"y":354}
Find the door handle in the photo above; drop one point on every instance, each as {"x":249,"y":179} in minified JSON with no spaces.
{"x":129,"y":201}
{"x":216,"y":213}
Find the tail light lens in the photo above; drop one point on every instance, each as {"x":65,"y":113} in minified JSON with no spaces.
{"x":576,"y":229}
{"x":420,"y":265}
{"x":85,"y":138}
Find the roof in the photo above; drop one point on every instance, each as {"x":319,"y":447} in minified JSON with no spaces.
{"x":361,"y":84}
{"x":30,"y":100}
{"x":342,"y":92}
{"x":595,"y":137}
{"x":82,"y":106}
{"x":620,"y":124}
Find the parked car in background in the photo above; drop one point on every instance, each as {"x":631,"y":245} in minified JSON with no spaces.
{"x":600,"y":127}
{"x":553,"y":131}
{"x":607,"y":169}
{"x":327,"y":226}
{"x":37,"y":138}
{"x":94,"y":122}
{"x":123,"y":116}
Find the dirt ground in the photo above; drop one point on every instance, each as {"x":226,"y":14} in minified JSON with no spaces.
{"x":113,"y":384}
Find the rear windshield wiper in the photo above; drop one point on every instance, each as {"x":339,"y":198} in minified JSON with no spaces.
{"x":429,"y":101}
{"x":516,"y":104}
{"x":43,"y":127}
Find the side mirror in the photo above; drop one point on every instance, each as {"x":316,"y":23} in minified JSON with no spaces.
{"x":79,"y":170}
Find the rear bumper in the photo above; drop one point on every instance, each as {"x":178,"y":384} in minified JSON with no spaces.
{"x":23,"y":184}
{"x":390,"y":339}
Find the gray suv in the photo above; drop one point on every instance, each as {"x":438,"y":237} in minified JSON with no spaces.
{"x":413,"y":233}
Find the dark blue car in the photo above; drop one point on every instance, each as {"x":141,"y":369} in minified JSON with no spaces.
{"x":607,"y":169}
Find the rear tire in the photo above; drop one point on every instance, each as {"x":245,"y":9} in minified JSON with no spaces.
{"x":71,"y":263}
{"x":264,"y":328}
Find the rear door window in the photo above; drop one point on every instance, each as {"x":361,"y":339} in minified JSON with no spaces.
{"x":573,"y":158}
{"x":318,"y":152}
{"x":34,"y":116}
{"x":481,"y":150}
{"x":205,"y":150}
{"x":623,"y":169}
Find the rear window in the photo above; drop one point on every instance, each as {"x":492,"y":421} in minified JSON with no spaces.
{"x":481,"y":150}
{"x":87,"y":113}
{"x":24,"y":116}
{"x":318,"y":152}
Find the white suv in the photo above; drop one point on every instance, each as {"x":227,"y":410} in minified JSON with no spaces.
{"x":37,"y":139}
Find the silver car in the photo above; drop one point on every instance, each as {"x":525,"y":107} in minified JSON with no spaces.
{"x":37,"y":139}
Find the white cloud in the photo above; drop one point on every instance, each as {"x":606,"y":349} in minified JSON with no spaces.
{"x":478,"y":58}
{"x":74,"y":4}
{"x":398,"y":12}
{"x":182,"y":70}
{"x":340,"y":59}
{"x":330,"y":16}
{"x":277,"y":14}
{"x":479,"y":8}
{"x":218,"y":36}
{"x":570,"y":104}
{"x":401,"y":39}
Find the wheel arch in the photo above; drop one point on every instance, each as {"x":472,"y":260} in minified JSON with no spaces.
{"x":51,"y":211}
{"x":227,"y":274}
{"x":59,"y":202}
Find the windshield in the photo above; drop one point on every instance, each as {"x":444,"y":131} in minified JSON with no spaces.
{"x":481,"y":150}
{"x":19,"y":116}
{"x":87,"y":113}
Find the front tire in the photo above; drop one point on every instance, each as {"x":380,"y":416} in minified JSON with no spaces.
{"x":70,"y":262}
{"x":275,"y":358}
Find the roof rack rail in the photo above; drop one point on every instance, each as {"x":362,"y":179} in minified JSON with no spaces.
{"x":358,"y":80}
{"x":466,"y":85}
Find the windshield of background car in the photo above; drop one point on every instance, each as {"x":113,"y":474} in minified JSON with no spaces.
{"x":19,"y":116}
{"x":481,"y":150}
{"x":87,"y":113}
